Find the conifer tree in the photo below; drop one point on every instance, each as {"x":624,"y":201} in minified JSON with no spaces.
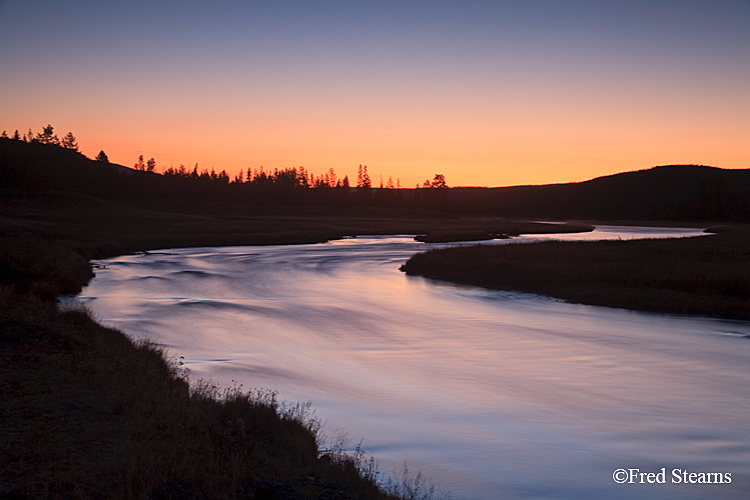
{"x":47,"y":136}
{"x":363,"y":178}
{"x":69,"y":142}
{"x":139,"y":165}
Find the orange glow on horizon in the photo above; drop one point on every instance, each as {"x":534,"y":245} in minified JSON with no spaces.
{"x":485,"y":94}
{"x":470,"y":158}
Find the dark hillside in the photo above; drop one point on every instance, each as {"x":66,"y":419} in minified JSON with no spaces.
{"x":35,"y":167}
{"x":668,"y":193}
{"x":688,"y":193}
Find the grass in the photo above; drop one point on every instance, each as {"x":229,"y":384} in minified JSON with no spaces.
{"x":89,"y":413}
{"x":709,"y":275}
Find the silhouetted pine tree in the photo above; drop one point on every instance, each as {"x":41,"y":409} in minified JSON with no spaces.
{"x":69,"y":142}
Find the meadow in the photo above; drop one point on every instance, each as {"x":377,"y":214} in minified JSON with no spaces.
{"x":705,"y":275}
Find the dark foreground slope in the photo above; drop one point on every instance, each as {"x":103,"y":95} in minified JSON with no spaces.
{"x":86,"y":413}
{"x":708,"y":275}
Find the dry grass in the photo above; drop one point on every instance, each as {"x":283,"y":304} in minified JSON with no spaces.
{"x":88,"y":413}
{"x":705,"y":276}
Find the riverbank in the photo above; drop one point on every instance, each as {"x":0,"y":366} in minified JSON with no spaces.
{"x":696,"y":276}
{"x":88,"y":413}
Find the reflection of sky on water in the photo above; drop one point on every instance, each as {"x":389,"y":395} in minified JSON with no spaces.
{"x":490,"y":393}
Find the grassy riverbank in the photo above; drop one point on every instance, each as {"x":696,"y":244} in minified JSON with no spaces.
{"x":707,"y":275}
{"x":88,"y":413}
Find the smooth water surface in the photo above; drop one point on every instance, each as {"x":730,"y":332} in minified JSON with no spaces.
{"x":490,"y":394}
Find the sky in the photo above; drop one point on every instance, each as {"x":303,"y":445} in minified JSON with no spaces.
{"x":487,"y":93}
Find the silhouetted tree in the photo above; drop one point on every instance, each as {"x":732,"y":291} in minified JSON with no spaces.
{"x":17,"y":136}
{"x":363,"y":178}
{"x":302,"y":179}
{"x":47,"y":136}
{"x":366,"y":183}
{"x":151,"y":165}
{"x":102,"y":157}
{"x":4,"y":135}
{"x":69,"y":142}
{"x":139,"y":165}
{"x":439,"y":182}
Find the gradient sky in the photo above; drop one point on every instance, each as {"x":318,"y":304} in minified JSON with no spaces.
{"x":485,"y":92}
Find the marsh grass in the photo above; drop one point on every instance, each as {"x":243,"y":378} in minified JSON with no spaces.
{"x":401,"y":484}
{"x":708,"y":275}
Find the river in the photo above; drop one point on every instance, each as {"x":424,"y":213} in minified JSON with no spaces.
{"x":489,"y":394}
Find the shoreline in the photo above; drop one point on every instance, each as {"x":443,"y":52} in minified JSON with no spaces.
{"x":701,"y":276}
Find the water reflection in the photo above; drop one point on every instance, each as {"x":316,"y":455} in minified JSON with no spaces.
{"x":493,"y":394}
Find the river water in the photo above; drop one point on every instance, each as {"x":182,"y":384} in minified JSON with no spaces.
{"x":489,"y":394}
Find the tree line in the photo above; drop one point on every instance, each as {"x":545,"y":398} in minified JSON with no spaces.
{"x":292,"y":185}
{"x":676,"y":193}
{"x":46,"y":136}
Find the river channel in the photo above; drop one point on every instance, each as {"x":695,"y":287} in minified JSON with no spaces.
{"x":489,"y":394}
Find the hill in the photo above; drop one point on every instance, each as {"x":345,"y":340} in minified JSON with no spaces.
{"x":688,"y":193}
{"x":667,"y":193}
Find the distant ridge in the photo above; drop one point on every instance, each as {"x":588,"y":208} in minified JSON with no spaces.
{"x":690,"y":193}
{"x":668,"y":192}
